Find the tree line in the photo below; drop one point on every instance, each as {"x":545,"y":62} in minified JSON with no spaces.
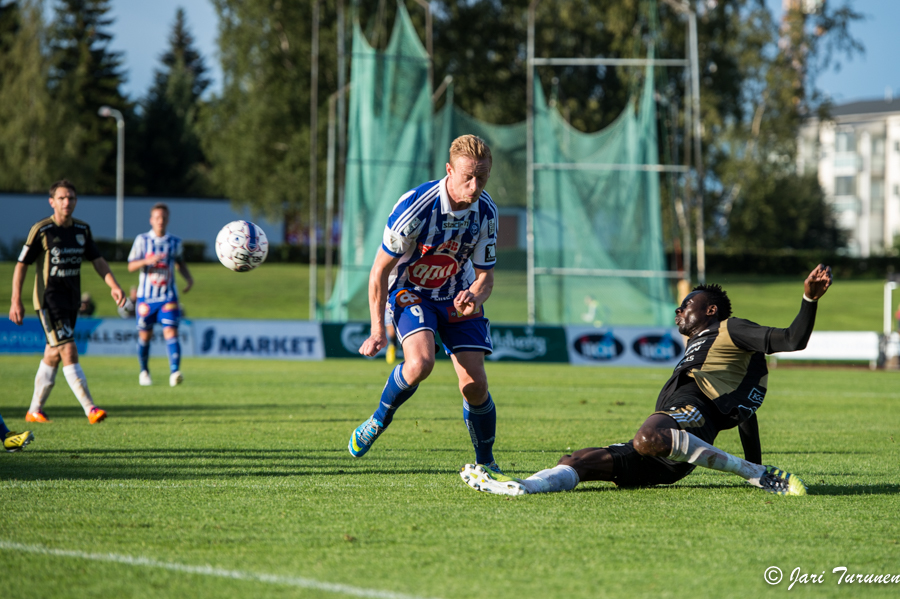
{"x":251,"y":141}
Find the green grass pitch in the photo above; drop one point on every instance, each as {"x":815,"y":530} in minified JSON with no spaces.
{"x":239,"y":483}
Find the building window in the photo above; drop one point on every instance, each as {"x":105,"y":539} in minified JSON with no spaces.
{"x":845,"y":186}
{"x":845,"y":142}
{"x":878,"y":153}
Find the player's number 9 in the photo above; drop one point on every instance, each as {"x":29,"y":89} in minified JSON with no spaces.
{"x":417,"y":312}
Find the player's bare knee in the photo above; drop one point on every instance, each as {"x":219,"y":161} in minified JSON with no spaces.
{"x":652,"y":441}
{"x":475,"y":392}
{"x":568,"y":460}
{"x":417,"y":369}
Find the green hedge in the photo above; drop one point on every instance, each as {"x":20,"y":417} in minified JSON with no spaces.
{"x":117,"y":251}
{"x":798,"y":263}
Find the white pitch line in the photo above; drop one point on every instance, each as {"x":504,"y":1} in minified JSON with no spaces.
{"x":294,"y":581}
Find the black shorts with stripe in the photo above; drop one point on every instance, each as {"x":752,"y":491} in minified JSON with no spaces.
{"x":58,"y":324}
{"x":695,"y":414}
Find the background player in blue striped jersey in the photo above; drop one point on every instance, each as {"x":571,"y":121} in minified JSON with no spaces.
{"x":157,"y":254}
{"x":435,"y":271}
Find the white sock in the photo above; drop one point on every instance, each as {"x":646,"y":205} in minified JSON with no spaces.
{"x":689,"y":448}
{"x":78,"y":383}
{"x":43,"y":384}
{"x":552,"y":480}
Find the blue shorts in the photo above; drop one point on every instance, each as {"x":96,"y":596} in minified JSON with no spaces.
{"x":149,"y":313}
{"x":413,"y":313}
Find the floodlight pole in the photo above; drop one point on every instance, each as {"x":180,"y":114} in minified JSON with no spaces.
{"x":529,"y":165}
{"x":313,"y":162}
{"x":106,"y":111}
{"x":698,"y":158}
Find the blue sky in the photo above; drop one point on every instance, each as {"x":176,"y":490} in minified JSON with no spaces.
{"x":142,"y":27}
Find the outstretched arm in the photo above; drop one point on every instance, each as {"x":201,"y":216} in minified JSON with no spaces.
{"x":817,"y":283}
{"x":797,"y":335}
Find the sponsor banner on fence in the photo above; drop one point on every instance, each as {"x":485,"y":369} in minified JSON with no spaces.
{"x":343,"y":340}
{"x":93,"y":336}
{"x":625,"y":346}
{"x":511,"y":342}
{"x":266,"y":339}
{"x":528,"y":344}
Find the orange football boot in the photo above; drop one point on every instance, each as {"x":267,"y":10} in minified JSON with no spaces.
{"x":96,"y":415}
{"x":36,"y":417}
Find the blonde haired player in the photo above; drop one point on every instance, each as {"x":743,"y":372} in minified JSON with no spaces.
{"x":435,"y":269}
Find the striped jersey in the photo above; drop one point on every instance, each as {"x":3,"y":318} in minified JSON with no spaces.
{"x":157,"y":282}
{"x":439,"y":249}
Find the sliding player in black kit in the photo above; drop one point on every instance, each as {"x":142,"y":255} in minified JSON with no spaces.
{"x":719,"y":384}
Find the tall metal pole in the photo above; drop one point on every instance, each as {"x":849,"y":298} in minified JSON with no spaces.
{"x":341,"y":103}
{"x":329,"y":194}
{"x":698,"y":158}
{"x":106,"y":111}
{"x":313,"y":162}
{"x":529,"y":165}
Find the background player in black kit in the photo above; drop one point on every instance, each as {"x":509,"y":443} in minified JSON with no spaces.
{"x":58,"y":245}
{"x":719,"y":384}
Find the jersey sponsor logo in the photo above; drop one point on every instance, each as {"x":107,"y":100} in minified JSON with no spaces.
{"x":412,"y":226}
{"x":169,"y":306}
{"x":57,"y":251}
{"x":756,"y":396}
{"x":424,"y":249}
{"x":143,"y":309}
{"x":455,"y":225}
{"x":490,"y":252}
{"x":451,"y":245}
{"x":407,"y":298}
{"x":600,"y":347}
{"x":454,"y":316}
{"x":69,"y":260}
{"x":393,"y":241}
{"x":492,"y":227}
{"x":656,"y":348}
{"x":64,"y":272}
{"x":431,"y":272}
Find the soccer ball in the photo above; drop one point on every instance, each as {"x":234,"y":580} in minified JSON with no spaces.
{"x":241,"y":246}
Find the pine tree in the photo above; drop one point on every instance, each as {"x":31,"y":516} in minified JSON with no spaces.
{"x":169,"y":152}
{"x":24,"y":101}
{"x":84,"y":76}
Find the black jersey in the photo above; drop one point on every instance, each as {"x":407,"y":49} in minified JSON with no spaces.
{"x":727,"y":364}
{"x":58,"y":252}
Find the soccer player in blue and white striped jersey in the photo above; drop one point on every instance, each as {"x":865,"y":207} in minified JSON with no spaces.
{"x":435,"y":271}
{"x":157,"y":254}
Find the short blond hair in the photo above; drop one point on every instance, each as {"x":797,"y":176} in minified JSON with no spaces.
{"x":470,"y":146}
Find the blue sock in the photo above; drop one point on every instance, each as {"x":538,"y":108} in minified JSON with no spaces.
{"x":396,"y":391}
{"x":173,"y":348}
{"x":482,"y":424}
{"x":143,"y":353}
{"x":3,"y":428}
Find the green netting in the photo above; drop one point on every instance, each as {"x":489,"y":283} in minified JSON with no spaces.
{"x":388,"y":153}
{"x":596,"y":213}
{"x":595,"y":209}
